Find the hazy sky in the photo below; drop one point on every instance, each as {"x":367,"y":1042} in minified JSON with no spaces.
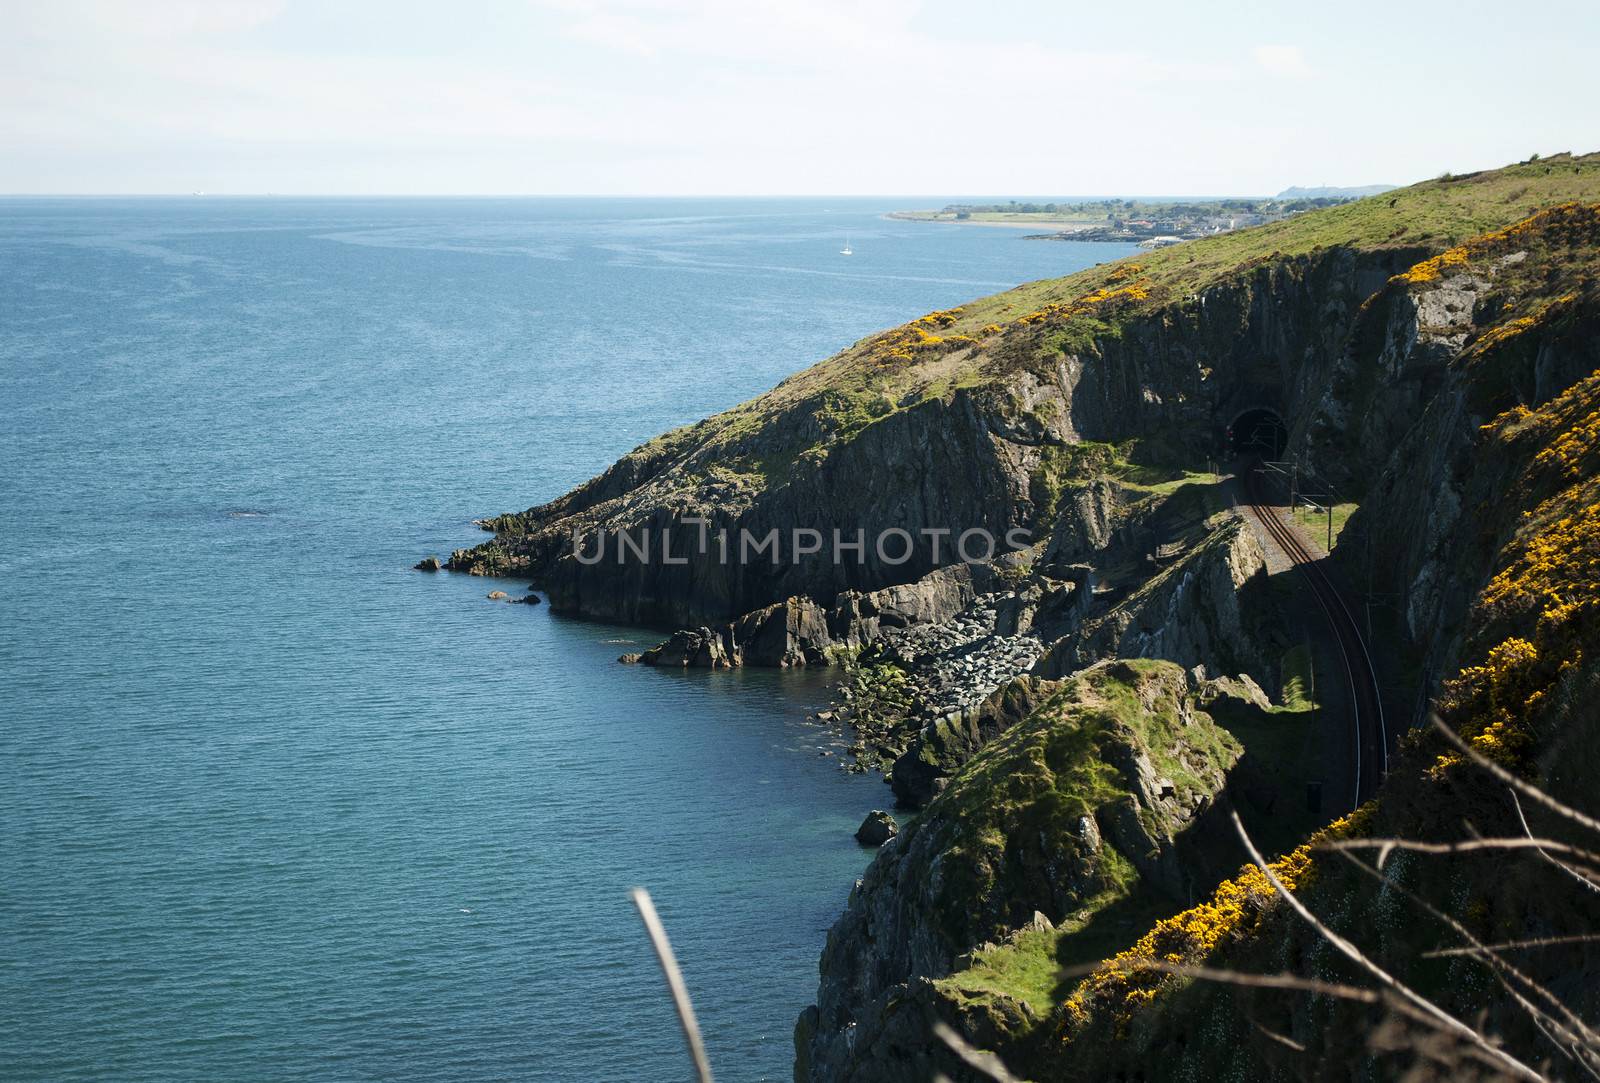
{"x":782,"y":96}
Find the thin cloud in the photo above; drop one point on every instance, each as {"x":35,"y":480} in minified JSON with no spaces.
{"x":1283,"y":60}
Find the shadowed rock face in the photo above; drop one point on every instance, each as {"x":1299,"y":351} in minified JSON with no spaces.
{"x":950,"y":466}
{"x":1485,"y":373}
{"x":972,"y":458}
{"x":982,"y":861}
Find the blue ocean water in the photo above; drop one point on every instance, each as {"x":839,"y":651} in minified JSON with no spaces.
{"x":272,"y":805}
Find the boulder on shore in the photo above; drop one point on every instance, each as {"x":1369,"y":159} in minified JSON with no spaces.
{"x":428,"y":564}
{"x":878,"y":828}
{"x":700,"y":647}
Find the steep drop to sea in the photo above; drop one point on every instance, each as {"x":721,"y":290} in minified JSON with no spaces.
{"x":277,"y":807}
{"x":1428,"y":359}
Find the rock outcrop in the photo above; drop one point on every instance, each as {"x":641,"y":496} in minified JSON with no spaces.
{"x":1188,"y":612}
{"x":878,"y":828}
{"x":1476,"y":378}
{"x":799,"y":632}
{"x":1111,"y":773}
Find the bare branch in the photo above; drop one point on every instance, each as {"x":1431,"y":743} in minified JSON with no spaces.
{"x":1240,"y":977}
{"x":1281,"y":1039}
{"x":1531,"y":792}
{"x":976,"y":1059}
{"x":1353,"y":953}
{"x":1576,"y":1039}
{"x":1514,"y":945}
{"x":1386,"y":846}
{"x":1356,"y":994}
{"x":1543,"y":847}
{"x":680,"y":992}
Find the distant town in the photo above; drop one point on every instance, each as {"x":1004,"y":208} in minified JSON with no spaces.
{"x":1151,"y":223}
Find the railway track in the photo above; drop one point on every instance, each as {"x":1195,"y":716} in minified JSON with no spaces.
{"x":1369,"y":738}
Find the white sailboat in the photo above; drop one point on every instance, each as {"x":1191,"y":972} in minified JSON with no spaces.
{"x":845,"y":251}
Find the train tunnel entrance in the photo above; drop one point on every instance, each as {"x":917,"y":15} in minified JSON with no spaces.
{"x":1259,"y":432}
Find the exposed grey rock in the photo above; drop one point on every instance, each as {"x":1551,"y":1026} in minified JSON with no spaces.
{"x":1188,"y":612}
{"x":428,"y":564}
{"x":878,"y":828}
{"x":1232,"y":693}
{"x":800,"y":632}
{"x":939,"y":892}
{"x":961,"y":463}
{"x":1084,"y":525}
{"x":701,"y":647}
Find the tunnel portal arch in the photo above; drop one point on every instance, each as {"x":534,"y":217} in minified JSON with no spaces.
{"x":1259,"y":431}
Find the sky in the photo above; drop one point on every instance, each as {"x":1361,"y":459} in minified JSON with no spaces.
{"x":782,"y":97}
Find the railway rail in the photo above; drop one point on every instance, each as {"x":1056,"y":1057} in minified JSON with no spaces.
{"x":1370,"y":740}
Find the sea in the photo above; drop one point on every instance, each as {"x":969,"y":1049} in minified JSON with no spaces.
{"x":273,"y":805}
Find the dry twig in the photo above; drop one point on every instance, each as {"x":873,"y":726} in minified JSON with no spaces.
{"x":680,"y":992}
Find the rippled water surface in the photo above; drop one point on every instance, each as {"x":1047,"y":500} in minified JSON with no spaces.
{"x":276,"y":807}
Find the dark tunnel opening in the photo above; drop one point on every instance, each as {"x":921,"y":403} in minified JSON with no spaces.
{"x":1259,"y":432}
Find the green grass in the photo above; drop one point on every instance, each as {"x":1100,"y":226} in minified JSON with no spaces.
{"x":1029,"y":786}
{"x":1299,"y":682}
{"x":852,"y":391}
{"x":1030,"y":968}
{"x":1024,"y":970}
{"x":1314,"y":522}
{"x":1163,"y":733}
{"x":1135,"y":465}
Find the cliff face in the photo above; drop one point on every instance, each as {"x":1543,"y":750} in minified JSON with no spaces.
{"x":1432,"y":355}
{"x":965,"y":419}
{"x":1484,"y":523}
{"x":1105,"y":785}
{"x":954,"y":464}
{"x":984,"y":456}
{"x":1465,"y":398}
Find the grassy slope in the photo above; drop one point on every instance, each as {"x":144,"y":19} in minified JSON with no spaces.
{"x":756,"y":444}
{"x":1039,"y":778}
{"x":1434,"y":214}
{"x":875,"y":376}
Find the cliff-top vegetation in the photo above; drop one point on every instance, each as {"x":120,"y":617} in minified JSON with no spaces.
{"x":984,"y":340}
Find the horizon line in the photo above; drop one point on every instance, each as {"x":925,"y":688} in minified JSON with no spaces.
{"x":666,"y":195}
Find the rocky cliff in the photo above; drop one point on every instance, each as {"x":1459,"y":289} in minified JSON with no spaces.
{"x":1430,"y":355}
{"x":1462,"y":402}
{"x":989,"y":418}
{"x":1483,"y":520}
{"x":1103,"y":786}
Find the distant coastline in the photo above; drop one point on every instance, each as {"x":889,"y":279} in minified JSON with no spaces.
{"x":1149,"y":222}
{"x":1003,"y":222}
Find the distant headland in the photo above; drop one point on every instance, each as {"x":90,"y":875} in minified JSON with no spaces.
{"x":1153,"y":222}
